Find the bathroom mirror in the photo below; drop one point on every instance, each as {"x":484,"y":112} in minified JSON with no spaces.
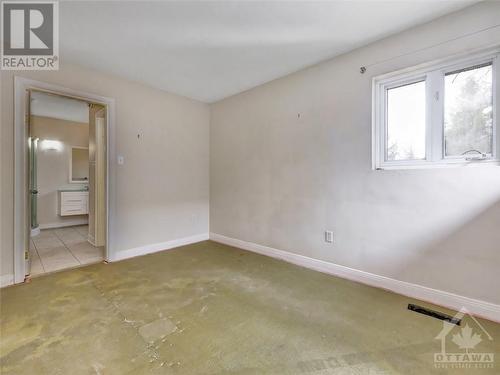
{"x":79,"y":165}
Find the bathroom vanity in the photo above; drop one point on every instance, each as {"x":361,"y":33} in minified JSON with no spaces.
{"x":73,"y":202}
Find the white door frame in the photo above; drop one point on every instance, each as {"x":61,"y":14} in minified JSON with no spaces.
{"x":20,"y":150}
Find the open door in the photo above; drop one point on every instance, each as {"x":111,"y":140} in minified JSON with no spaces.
{"x":97,"y":175}
{"x":32,"y":198}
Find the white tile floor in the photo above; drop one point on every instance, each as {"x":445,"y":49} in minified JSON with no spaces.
{"x":57,"y":249}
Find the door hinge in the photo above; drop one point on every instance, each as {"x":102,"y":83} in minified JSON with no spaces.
{"x":26,"y":255}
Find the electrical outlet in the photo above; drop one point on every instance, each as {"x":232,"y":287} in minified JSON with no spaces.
{"x":329,"y":236}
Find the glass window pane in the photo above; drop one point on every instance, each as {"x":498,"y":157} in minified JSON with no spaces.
{"x":406,"y":122}
{"x":468,"y":111}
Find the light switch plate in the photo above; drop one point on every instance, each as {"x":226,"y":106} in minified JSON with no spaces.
{"x":328,"y":236}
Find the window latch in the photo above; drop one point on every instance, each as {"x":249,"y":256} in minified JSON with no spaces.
{"x":477,"y":155}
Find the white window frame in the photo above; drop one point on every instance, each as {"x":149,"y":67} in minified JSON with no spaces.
{"x":433,"y":73}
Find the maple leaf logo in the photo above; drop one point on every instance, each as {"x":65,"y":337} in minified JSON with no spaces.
{"x":465,"y":339}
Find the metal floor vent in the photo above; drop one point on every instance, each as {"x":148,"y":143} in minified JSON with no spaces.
{"x":434,"y":314}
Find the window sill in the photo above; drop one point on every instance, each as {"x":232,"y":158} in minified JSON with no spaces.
{"x":440,"y":164}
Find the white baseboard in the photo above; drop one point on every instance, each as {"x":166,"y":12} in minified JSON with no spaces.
{"x":453,"y":301}
{"x":69,"y":223}
{"x":153,"y":248}
{"x":6,"y":280}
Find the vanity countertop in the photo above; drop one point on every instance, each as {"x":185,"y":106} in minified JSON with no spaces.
{"x":66,"y":189}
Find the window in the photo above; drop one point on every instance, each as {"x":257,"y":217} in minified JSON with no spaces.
{"x":440,"y":115}
{"x":406,"y":122}
{"x":468,"y":111}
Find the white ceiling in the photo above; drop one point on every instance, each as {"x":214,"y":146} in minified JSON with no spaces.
{"x":58,"y":107}
{"x":211,"y":50}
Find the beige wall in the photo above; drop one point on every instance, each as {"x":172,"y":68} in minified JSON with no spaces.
{"x":162,"y":189}
{"x":53,"y":165}
{"x":281,"y":180}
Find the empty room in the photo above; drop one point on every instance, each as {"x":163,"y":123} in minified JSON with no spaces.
{"x":250,"y":187}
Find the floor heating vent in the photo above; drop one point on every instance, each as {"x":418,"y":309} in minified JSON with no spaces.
{"x":434,"y":314}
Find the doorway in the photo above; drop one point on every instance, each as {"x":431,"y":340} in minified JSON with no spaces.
{"x":67,"y":182}
{"x":63,"y":143}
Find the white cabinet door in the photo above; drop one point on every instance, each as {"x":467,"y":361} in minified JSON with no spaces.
{"x":73,"y":203}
